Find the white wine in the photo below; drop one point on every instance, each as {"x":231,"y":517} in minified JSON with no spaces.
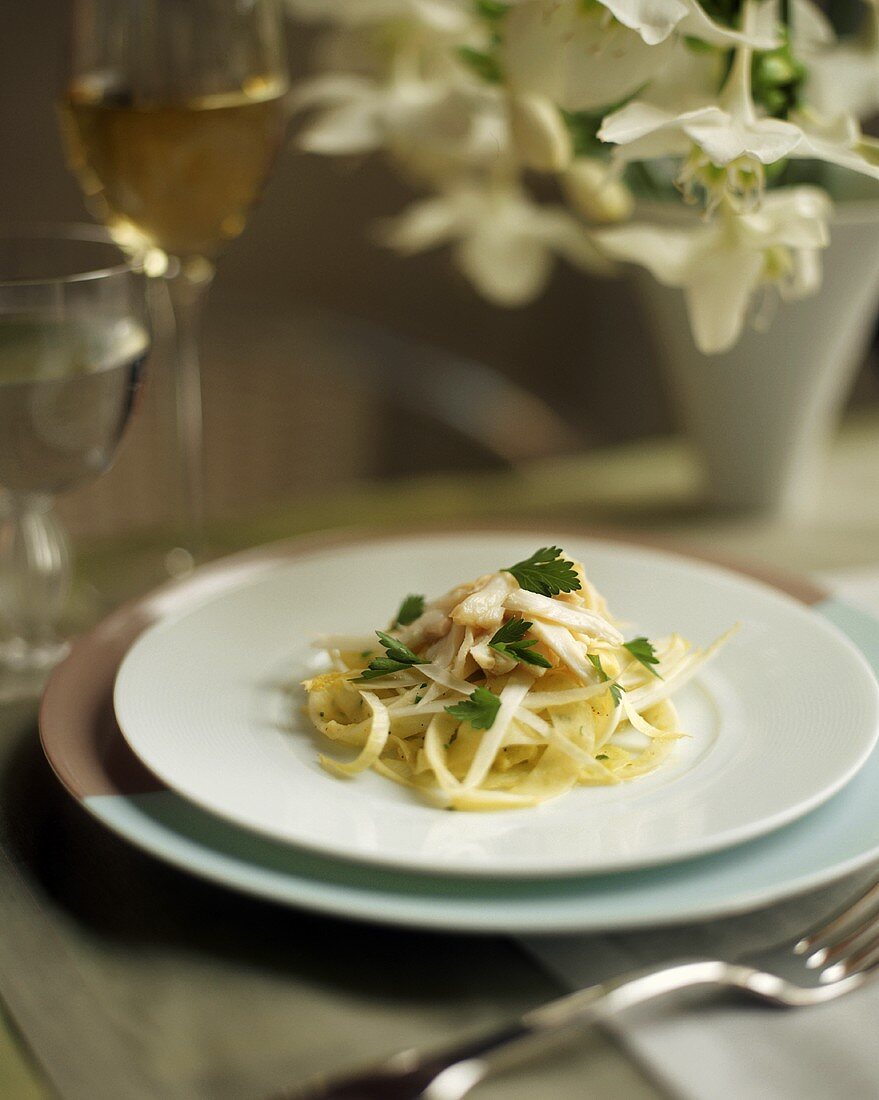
{"x":67,"y":389}
{"x":179,"y":177}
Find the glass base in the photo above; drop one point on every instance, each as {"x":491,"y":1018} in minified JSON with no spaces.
{"x":179,"y":562}
{"x":17,"y":655}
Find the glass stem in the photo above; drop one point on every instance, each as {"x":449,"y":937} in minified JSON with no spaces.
{"x":35,"y":579}
{"x":187,"y":289}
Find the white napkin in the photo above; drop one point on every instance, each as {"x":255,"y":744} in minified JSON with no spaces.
{"x":717,"y":1049}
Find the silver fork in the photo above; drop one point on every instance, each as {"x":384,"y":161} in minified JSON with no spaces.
{"x":819,"y":965}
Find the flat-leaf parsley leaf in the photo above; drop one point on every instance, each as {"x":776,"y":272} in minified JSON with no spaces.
{"x":480,"y":709}
{"x":398,"y":657}
{"x":411,"y":609}
{"x":546,"y":572}
{"x":615,"y":690}
{"x":510,"y":641}
{"x":642,"y":650}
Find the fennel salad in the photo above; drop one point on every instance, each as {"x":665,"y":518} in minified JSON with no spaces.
{"x":504,"y":692}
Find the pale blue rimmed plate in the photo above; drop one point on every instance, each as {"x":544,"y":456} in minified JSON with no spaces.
{"x":86,"y":750}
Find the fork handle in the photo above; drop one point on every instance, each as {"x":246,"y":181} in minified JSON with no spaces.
{"x":450,"y":1074}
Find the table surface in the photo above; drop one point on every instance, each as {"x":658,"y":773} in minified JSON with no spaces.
{"x":122,"y":977}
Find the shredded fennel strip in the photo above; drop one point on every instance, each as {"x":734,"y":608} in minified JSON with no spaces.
{"x":375,"y":741}
{"x":535,"y":732}
{"x":511,"y":696}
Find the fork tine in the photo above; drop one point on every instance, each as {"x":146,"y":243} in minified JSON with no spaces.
{"x":862,"y":961}
{"x":870,"y":970}
{"x":842,"y":946}
{"x":838,"y":927}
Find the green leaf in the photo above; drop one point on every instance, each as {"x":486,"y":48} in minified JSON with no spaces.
{"x":513,"y":630}
{"x":696,"y":45}
{"x":380,"y":666}
{"x":545,"y":572}
{"x":397,"y":650}
{"x":583,"y":127}
{"x":642,"y":650}
{"x":480,"y":709}
{"x":777,"y":79}
{"x":398,"y":657}
{"x":485,"y":66}
{"x":491,"y":10}
{"x":523,"y":652}
{"x":509,"y":642}
{"x":411,"y":609}
{"x":615,"y":690}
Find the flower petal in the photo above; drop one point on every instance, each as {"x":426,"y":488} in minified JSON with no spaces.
{"x":689,"y":80}
{"x":718,"y":295}
{"x":569,"y":54}
{"x":810,"y":27}
{"x":726,"y":139}
{"x":329,"y":90}
{"x":667,"y":253}
{"x":539,"y":133}
{"x":510,"y":271}
{"x":654,"y":20}
{"x":806,"y":279}
{"x":700,"y":25}
{"x":845,"y":80}
{"x":353,"y":128}
{"x":640,"y":118}
{"x":448,"y":16}
{"x":567,"y":237}
{"x":793,"y":217}
{"x":596,"y":190}
{"x":424,"y":224}
{"x":838,"y":143}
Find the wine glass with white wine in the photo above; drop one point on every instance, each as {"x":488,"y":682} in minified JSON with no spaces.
{"x":173,"y":115}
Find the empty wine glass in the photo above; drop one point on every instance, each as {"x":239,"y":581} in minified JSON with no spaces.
{"x":73,"y":338}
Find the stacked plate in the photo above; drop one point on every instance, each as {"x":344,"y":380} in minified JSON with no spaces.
{"x":215,"y":768}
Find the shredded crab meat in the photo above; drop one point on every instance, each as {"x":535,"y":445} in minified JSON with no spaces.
{"x":430,"y":626}
{"x":569,"y":649}
{"x":554,"y":611}
{"x":470,"y":721}
{"x":485,"y":607}
{"x":491,"y":661}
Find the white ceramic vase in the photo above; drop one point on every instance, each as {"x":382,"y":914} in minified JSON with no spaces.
{"x":761,"y":414}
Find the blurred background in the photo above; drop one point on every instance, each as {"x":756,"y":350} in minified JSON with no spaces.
{"x":297,"y":401}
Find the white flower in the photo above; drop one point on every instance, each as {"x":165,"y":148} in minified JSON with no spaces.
{"x":727,"y":144}
{"x":840,"y":77}
{"x":575,"y":55}
{"x":586,"y":56}
{"x":690,"y":78}
{"x":447,"y":16}
{"x":413,"y":96}
{"x":721,"y":264}
{"x":503,"y":242}
{"x":427,"y":123}
{"x":595,"y":189}
{"x":655,"y":20}
{"x":540,"y":136}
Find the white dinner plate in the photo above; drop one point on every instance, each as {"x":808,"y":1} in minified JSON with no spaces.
{"x":784,"y":716}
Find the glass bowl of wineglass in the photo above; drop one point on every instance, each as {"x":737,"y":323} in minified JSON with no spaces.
{"x":173,"y":114}
{"x":74,"y":335}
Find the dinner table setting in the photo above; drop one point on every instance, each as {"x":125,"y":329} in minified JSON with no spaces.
{"x":501,"y":760}
{"x":156,"y":946}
